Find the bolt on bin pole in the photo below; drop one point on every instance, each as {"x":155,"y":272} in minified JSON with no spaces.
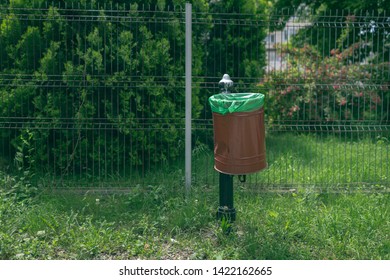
{"x":226,"y":207}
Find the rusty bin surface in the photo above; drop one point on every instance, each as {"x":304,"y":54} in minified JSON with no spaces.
{"x":239,"y":142}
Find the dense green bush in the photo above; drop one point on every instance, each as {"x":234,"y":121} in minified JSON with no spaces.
{"x":80,"y":84}
{"x":92,"y":86}
{"x":63,"y":80}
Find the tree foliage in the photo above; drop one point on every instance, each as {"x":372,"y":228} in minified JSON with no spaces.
{"x":369,"y":16}
{"x":352,"y":5}
{"x":87,"y":79}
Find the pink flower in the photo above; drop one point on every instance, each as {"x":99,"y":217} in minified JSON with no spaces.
{"x":359,"y":94}
{"x":376,"y":99}
{"x":334,"y":51}
{"x":294,"y":108}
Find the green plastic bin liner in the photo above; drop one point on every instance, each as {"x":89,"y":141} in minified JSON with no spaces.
{"x":236,"y":102}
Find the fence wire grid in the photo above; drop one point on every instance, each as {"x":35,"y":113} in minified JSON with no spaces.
{"x":93,"y":97}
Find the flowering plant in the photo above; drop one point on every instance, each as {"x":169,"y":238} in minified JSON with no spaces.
{"x":342,"y":87}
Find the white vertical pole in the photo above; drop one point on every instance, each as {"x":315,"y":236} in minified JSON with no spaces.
{"x":188,"y":99}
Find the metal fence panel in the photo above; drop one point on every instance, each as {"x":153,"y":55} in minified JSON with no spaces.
{"x":326,"y":83}
{"x":93,"y":97}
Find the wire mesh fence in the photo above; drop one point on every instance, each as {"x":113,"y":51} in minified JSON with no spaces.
{"x":326,"y":83}
{"x":93,"y":96}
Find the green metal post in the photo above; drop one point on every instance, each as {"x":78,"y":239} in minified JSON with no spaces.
{"x":226,"y":208}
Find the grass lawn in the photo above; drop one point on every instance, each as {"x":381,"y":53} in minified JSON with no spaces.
{"x":327,"y":162}
{"x":157,"y":223}
{"x":154,"y":221}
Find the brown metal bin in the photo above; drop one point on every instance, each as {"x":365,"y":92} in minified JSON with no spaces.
{"x":239,"y":142}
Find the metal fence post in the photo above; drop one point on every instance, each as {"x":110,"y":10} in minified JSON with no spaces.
{"x":188,"y":99}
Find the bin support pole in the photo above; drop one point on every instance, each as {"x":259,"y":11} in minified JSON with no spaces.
{"x":226,"y":209}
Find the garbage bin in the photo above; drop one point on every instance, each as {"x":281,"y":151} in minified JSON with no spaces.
{"x":239,"y":133}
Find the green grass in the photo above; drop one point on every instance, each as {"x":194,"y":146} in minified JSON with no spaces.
{"x":157,"y":223}
{"x":324,"y":161}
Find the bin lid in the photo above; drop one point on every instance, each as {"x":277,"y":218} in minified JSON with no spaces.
{"x":236,"y":102}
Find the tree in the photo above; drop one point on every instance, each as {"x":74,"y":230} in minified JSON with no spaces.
{"x":352,"y":5}
{"x":88,"y":80}
{"x":236,"y":38}
{"x":369,"y":15}
{"x":97,"y":86}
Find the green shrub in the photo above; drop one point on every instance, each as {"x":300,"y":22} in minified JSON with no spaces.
{"x":100,"y":87}
{"x":86,"y":89}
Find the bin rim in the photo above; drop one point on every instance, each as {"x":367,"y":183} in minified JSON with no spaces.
{"x":224,"y":103}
